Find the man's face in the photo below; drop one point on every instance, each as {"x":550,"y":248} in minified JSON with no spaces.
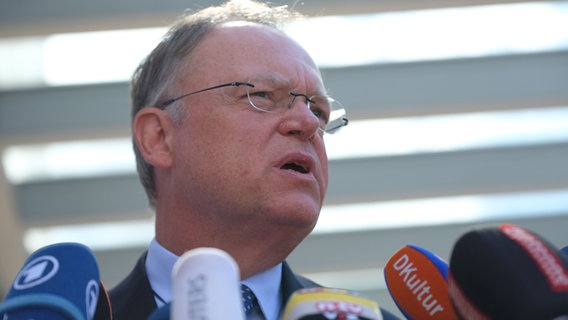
{"x":240,"y":165}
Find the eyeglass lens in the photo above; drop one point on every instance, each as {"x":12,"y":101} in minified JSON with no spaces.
{"x":268,"y":97}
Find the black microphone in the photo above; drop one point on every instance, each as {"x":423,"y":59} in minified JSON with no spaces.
{"x":60,"y":281}
{"x":417,"y":281}
{"x":507,"y":272}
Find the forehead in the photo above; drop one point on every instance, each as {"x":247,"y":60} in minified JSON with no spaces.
{"x":238,"y":51}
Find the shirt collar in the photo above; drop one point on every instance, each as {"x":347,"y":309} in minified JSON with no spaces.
{"x":159,"y":265}
{"x":265,"y":285}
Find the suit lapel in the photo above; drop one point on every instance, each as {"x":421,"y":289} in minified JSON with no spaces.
{"x":133,"y":299}
{"x":292,"y":282}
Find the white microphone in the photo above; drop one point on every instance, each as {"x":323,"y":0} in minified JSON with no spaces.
{"x":206,"y":285}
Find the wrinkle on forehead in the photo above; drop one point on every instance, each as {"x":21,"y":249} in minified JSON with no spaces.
{"x":277,"y":80}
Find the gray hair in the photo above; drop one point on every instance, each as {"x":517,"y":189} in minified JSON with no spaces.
{"x":154,"y":79}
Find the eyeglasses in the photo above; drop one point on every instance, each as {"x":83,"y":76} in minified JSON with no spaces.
{"x":267,"y":97}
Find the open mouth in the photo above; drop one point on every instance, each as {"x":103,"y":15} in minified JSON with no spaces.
{"x":295,"y":167}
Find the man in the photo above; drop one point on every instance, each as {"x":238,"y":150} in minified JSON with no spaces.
{"x":229,"y":115}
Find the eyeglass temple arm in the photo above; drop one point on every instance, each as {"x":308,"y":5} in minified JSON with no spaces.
{"x":230,"y":84}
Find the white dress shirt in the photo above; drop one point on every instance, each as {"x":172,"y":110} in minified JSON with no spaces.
{"x":265,"y":285}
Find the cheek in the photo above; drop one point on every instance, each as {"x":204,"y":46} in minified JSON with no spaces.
{"x":324,"y":170}
{"x":322,"y":155}
{"x":196,"y":144}
{"x":220,"y":148}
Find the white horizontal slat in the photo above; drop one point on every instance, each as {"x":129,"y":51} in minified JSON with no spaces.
{"x":434,"y":87}
{"x":27,"y":18}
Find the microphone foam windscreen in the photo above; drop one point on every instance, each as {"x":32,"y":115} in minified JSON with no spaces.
{"x":507,"y":272}
{"x":327,"y":303}
{"x":417,"y":281}
{"x":60,"y":281}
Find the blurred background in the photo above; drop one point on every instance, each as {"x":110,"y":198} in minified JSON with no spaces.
{"x":458,"y":118}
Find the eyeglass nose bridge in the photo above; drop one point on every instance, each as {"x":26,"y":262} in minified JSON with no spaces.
{"x":295,"y":95}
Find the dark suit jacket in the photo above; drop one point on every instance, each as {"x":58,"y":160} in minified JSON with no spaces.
{"x":133,"y":299}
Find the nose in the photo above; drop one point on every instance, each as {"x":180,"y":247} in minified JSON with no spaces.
{"x":298,"y":120}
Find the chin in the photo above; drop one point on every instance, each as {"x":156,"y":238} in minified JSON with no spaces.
{"x":300,"y":217}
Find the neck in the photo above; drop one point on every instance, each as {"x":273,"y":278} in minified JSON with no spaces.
{"x":254,"y":249}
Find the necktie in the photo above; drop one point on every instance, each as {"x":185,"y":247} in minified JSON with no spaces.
{"x":250,"y":303}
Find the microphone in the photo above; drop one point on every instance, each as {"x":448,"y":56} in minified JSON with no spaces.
{"x":104,"y":309}
{"x":326,"y":303}
{"x":58,"y":282}
{"x":507,"y":272}
{"x":206,"y":285}
{"x":417,"y":281}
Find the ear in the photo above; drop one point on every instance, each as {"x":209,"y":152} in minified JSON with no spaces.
{"x":152,"y":131}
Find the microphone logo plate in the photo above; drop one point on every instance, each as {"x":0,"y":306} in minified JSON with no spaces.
{"x":92,"y":296}
{"x":36,"y":272}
